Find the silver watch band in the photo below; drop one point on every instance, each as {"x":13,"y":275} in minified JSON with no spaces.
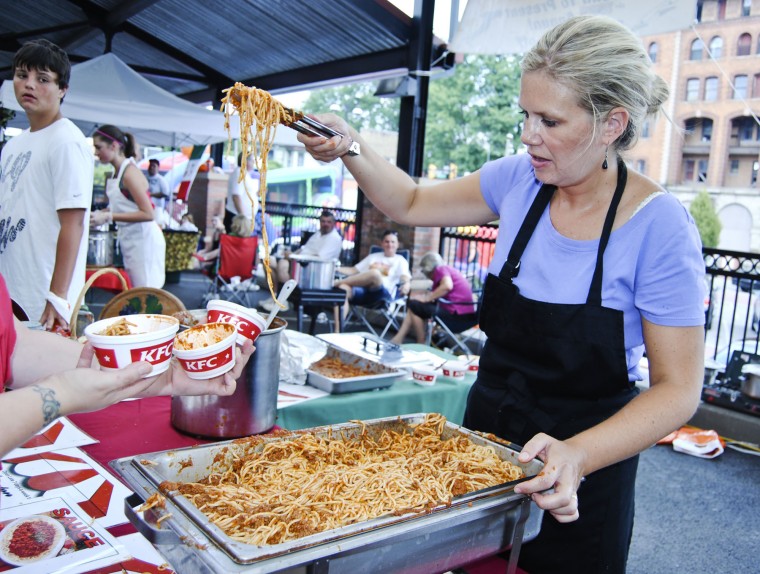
{"x":354,"y":149}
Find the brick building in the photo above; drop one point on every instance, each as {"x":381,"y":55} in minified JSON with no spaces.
{"x":709,"y":137}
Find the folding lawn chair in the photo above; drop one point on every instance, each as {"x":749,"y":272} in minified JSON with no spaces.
{"x":235,"y":266}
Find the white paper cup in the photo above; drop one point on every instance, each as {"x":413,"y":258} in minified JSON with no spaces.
{"x":424,"y":376}
{"x":211,"y":360}
{"x":472,"y":362}
{"x":454,"y":370}
{"x":151,"y":340}
{"x":249,"y":322}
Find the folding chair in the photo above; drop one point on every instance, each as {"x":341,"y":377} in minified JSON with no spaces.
{"x":463,"y":336}
{"x":387,"y":311}
{"x":237,"y":258}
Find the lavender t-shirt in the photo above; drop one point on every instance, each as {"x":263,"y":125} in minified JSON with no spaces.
{"x":653,"y":266}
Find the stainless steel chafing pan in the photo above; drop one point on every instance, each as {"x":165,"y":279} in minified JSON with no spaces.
{"x":474,"y":526}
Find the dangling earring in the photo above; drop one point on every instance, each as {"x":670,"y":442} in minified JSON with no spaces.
{"x":604,"y":163}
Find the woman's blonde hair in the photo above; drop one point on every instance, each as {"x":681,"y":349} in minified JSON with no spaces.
{"x":240,"y":226}
{"x":606,"y":65}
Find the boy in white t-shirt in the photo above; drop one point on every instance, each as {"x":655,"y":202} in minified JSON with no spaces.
{"x":46,"y":176}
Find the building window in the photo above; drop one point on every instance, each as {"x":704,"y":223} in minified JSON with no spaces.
{"x":697,"y":47}
{"x":740,"y":87}
{"x":688,"y":170}
{"x":721,"y":9}
{"x":692,"y":89}
{"x":756,"y":86}
{"x":707,"y":127}
{"x":641,"y":166}
{"x":747,"y":129}
{"x":653,"y":48}
{"x":746,"y":7}
{"x":711,"y":89}
{"x":716,"y":47}
{"x":702,"y":167}
{"x":734,"y":169}
{"x":744,"y":45}
{"x":690,"y":126}
{"x":645,"y":129}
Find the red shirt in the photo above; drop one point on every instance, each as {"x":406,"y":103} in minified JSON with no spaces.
{"x":7,"y":335}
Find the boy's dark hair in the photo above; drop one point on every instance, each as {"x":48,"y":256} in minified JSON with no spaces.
{"x":44,"y":55}
{"x":327,"y":213}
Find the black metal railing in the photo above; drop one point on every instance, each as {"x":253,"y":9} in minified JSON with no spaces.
{"x":732,"y":280}
{"x":294,"y":223}
{"x":732,"y":305}
{"x":469,"y":249}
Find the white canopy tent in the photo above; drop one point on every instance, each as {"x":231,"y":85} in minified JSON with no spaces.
{"x":105,"y":90}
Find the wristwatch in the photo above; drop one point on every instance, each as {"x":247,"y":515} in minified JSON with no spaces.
{"x":354,"y":149}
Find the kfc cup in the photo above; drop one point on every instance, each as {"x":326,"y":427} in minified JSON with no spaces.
{"x":206,"y":351}
{"x":248,"y":322}
{"x":424,"y":376}
{"x":454,"y":370}
{"x":120,"y":341}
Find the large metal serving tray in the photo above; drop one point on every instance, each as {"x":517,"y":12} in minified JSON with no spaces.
{"x":476,"y":525}
{"x":382,"y":376}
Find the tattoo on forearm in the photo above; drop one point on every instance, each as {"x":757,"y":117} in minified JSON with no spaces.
{"x":51,"y":408}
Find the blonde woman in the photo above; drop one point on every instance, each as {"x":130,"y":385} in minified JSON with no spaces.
{"x":594,"y":265}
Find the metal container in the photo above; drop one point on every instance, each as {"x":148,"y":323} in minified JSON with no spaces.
{"x":750,"y":380}
{"x":379,"y":375}
{"x":473,"y":526}
{"x":100,"y":247}
{"x":312,"y":273}
{"x":251,"y":409}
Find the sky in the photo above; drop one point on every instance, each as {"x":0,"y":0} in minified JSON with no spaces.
{"x":441,"y":22}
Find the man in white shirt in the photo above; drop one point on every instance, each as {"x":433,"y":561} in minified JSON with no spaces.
{"x":325,"y":245}
{"x":46,"y":176}
{"x":242,"y":194}
{"x":157,"y":186}
{"x":378,"y":276}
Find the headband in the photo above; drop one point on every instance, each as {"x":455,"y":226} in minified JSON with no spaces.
{"x":110,"y":137}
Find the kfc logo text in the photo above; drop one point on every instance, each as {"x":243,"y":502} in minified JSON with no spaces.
{"x":208,"y":363}
{"x":155,"y":354}
{"x":246,"y":328}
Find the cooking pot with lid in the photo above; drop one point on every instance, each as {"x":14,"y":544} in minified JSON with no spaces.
{"x":750,"y":380}
{"x":312,"y":273}
{"x":100,"y":248}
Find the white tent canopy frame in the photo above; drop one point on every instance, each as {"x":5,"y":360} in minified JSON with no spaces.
{"x":105,"y":90}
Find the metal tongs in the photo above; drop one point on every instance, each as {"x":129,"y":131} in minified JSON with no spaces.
{"x":308,"y":126}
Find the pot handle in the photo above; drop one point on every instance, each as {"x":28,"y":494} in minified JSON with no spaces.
{"x":80,"y":299}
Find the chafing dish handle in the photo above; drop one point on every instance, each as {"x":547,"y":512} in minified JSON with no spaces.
{"x":153,"y":534}
{"x":514,"y":554}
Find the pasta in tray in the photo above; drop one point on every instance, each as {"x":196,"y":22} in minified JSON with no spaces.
{"x":307,"y":484}
{"x":260,"y":114}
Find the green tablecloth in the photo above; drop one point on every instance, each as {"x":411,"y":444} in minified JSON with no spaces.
{"x":447,"y":397}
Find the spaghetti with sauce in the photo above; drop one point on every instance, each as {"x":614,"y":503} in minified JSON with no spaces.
{"x":308,"y":484}
{"x":260,"y":115}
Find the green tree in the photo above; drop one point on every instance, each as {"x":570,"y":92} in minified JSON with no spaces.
{"x":707,"y":220}
{"x":473,"y":115}
{"x":357,"y":104}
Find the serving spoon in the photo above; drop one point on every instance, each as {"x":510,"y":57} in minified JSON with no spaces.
{"x":282,"y":297}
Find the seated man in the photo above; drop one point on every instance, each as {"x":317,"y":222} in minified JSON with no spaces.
{"x":325,"y":245}
{"x":376,"y":276}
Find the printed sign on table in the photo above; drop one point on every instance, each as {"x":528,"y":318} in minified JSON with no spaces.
{"x":54,"y":535}
{"x":144,"y":559}
{"x":69,"y":473}
{"x":59,"y":434}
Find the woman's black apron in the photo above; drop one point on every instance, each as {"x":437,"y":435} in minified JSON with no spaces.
{"x":559,"y":369}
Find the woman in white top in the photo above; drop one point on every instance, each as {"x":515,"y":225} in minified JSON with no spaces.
{"x":141,"y":239}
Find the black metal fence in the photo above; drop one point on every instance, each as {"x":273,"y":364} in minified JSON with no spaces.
{"x":294,"y":223}
{"x":469,"y":249}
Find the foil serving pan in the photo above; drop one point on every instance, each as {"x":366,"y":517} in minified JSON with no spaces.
{"x":379,"y":376}
{"x":474,"y":526}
